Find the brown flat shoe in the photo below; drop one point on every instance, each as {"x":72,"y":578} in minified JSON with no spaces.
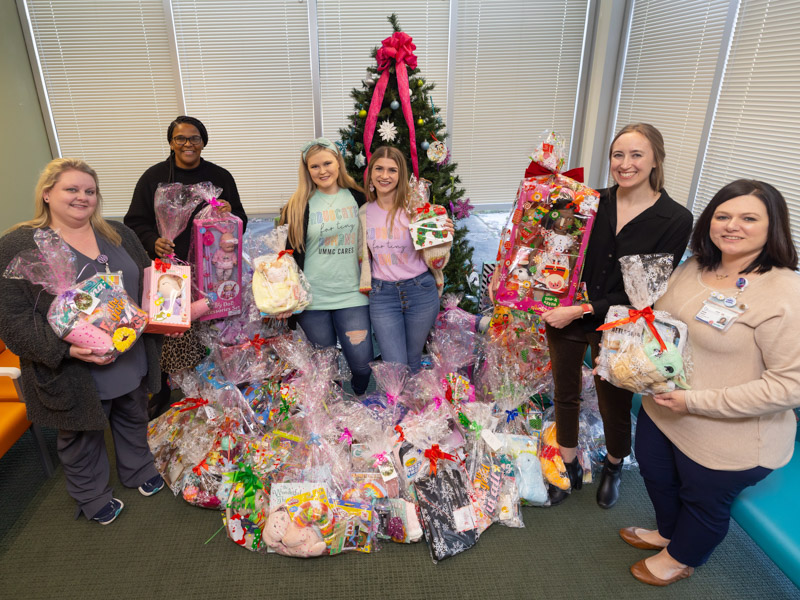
{"x":629,"y":535}
{"x":643,"y":574}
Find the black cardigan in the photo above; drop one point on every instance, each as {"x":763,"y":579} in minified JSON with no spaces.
{"x":59,"y":391}
{"x":662,"y":228}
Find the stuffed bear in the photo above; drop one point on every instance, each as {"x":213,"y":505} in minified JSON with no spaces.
{"x":286,"y":537}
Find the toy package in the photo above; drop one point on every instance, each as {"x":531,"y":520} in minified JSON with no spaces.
{"x":96,"y":313}
{"x":542,"y":248}
{"x":166,"y":295}
{"x":246,"y":509}
{"x":302,"y":526}
{"x":279,"y":286}
{"x":217,"y":256}
{"x":644,"y":351}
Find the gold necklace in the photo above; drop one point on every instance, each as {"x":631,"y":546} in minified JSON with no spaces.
{"x":719,"y":277}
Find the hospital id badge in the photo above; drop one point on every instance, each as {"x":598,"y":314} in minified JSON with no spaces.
{"x":720,"y":311}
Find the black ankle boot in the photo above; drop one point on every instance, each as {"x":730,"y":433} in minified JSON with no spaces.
{"x":608,"y":489}
{"x":575,"y":474}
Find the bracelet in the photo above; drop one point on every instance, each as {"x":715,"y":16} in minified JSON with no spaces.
{"x":587,"y":309}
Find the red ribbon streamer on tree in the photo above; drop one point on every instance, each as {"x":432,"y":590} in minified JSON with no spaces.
{"x":397,"y":50}
{"x":633,"y":316}
{"x":535,"y":169}
{"x":190,"y":404}
{"x":162,"y":265}
{"x":434,"y":453}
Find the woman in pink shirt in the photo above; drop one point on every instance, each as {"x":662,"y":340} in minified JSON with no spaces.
{"x":403,"y":291}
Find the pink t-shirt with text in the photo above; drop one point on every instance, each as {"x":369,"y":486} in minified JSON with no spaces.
{"x":393,"y":255}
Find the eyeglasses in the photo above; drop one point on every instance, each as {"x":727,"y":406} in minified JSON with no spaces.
{"x":181,"y":140}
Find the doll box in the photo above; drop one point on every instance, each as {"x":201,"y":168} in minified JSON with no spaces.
{"x":218,"y":264}
{"x":166,"y":294}
{"x":430,"y":232}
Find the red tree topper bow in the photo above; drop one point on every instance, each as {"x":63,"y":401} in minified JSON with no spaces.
{"x":633,"y":316}
{"x":535,"y":169}
{"x":434,"y":453}
{"x":162,"y":265}
{"x":190,"y":404}
{"x":397,"y":50}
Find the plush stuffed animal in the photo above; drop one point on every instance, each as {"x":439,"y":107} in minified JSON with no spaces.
{"x":669,"y":362}
{"x":286,"y":537}
{"x":530,"y":480}
{"x":645,"y":368}
{"x":552,"y":464}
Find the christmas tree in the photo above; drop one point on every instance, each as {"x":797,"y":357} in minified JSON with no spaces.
{"x":396,"y":125}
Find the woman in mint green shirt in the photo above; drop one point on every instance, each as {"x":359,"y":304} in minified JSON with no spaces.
{"x":322,"y":215}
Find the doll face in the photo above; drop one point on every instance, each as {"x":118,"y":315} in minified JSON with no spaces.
{"x":168,"y":286}
{"x":227,"y":243}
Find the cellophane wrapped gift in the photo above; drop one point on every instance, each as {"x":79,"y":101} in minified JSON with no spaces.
{"x":445,"y":506}
{"x":252,"y":361}
{"x":279,"y":286}
{"x":180,"y":438}
{"x":302,"y":525}
{"x":96,"y":313}
{"x":391,"y":380}
{"x":427,"y":220}
{"x":246,"y":508}
{"x":642,"y":350}
{"x":217,"y":257}
{"x":553,"y":469}
{"x":543,"y":245}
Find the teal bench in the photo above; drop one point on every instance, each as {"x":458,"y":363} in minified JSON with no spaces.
{"x":769,"y":513}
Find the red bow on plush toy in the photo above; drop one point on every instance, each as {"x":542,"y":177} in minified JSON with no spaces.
{"x":633,"y":316}
{"x":397,"y":51}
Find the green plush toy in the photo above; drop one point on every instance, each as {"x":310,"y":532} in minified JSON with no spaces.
{"x":668,"y":362}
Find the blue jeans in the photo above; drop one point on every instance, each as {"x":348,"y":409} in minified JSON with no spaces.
{"x":692,"y":503}
{"x":402,"y":315}
{"x":351,"y":327}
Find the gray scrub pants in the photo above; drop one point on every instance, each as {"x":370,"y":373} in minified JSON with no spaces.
{"x":85,"y":460}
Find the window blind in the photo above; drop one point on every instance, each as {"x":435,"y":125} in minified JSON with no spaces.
{"x":246,"y":74}
{"x":670,"y":63}
{"x":348,"y":31}
{"x":756,"y":129}
{"x":107,"y":70}
{"x":517,"y":68}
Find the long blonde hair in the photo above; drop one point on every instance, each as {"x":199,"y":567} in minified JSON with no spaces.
{"x":294,"y":211}
{"x":47,"y":181}
{"x":402,"y":196}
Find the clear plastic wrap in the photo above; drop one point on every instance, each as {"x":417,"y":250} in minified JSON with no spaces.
{"x":246,"y":508}
{"x":174,"y":204}
{"x":302,"y":526}
{"x":96,"y":313}
{"x":553,"y":469}
{"x":279,"y":285}
{"x":253,"y":361}
{"x":644,"y":351}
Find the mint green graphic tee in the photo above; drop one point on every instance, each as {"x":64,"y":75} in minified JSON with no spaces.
{"x":331,"y":264}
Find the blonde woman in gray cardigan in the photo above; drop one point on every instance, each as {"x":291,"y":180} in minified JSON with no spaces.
{"x":699,"y":448}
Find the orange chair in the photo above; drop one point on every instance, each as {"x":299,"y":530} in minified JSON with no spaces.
{"x":13,"y":418}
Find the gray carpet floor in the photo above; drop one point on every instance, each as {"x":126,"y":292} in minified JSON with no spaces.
{"x":157,"y":548}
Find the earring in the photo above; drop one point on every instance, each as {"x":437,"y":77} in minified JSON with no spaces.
{"x":371,"y":188}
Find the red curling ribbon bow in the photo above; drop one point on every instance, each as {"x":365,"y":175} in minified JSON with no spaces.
{"x":258,"y":342}
{"x":399,"y":430}
{"x":190,"y":404}
{"x":397,"y":51}
{"x":434,"y":453}
{"x":282,"y":252}
{"x":161,"y":265}
{"x":535,"y":169}
{"x":198,"y":470}
{"x":633,"y":316}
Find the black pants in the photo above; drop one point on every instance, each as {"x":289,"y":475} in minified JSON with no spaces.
{"x":567,"y":349}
